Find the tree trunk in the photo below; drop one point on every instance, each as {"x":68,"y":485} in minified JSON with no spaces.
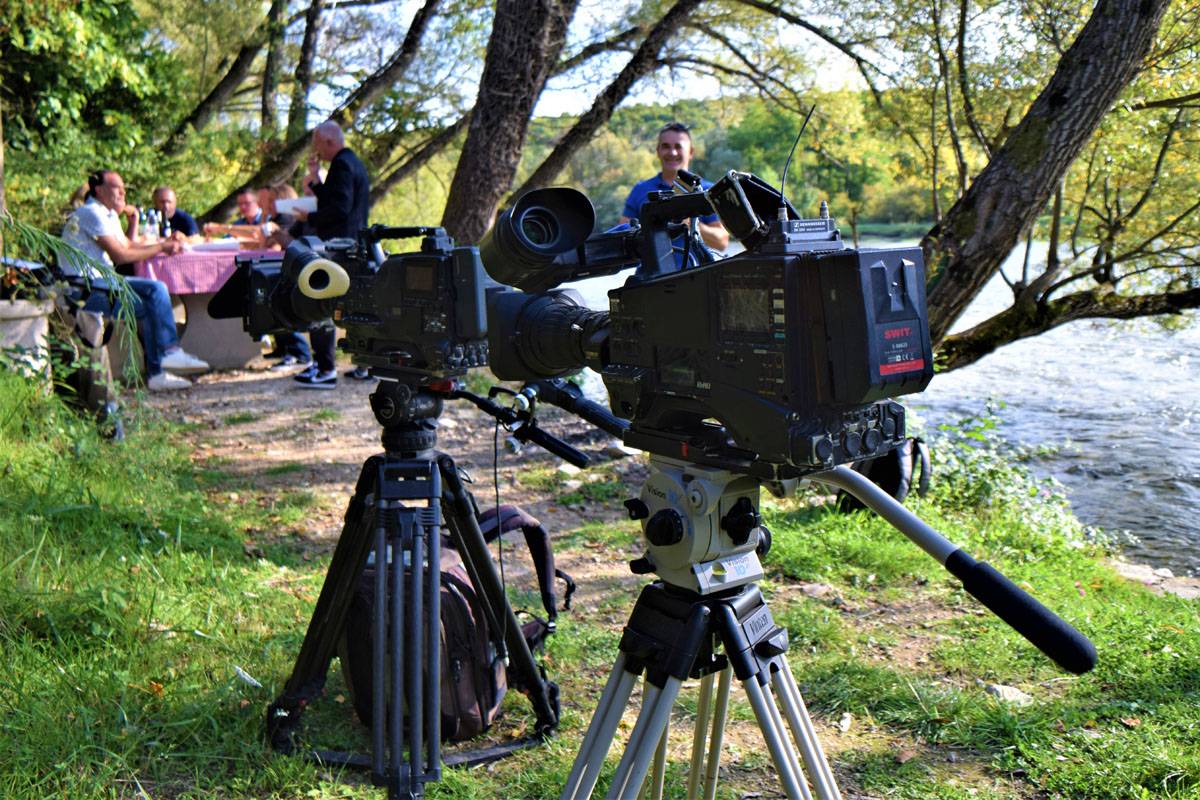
{"x":275,"y":31}
{"x":527,"y":38}
{"x":3,"y":204}
{"x":967,"y":247}
{"x":297,"y":124}
{"x":208,"y":108}
{"x":643,"y":62}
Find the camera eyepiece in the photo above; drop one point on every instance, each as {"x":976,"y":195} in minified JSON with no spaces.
{"x":321,"y":278}
{"x":526,"y":239}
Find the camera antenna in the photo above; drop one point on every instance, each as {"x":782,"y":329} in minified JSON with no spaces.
{"x":788,"y":163}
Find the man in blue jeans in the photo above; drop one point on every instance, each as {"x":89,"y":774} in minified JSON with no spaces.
{"x":675,"y":151}
{"x":95,"y":228}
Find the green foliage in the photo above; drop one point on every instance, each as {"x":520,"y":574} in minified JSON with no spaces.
{"x":87,"y":66}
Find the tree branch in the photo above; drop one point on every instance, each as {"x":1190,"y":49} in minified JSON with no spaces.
{"x":960,"y":161}
{"x":1183,"y":101}
{"x":642,"y":63}
{"x":299,"y":15}
{"x":419,"y":157}
{"x":964,"y":85}
{"x":386,"y":76}
{"x":594,"y":49}
{"x":865,"y":67}
{"x":1015,"y":323}
{"x":297,"y":123}
{"x":208,"y":108}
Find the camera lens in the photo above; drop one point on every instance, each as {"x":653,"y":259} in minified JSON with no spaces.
{"x":539,"y":226}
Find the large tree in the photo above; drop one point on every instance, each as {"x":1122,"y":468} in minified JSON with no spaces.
{"x":527,"y":38}
{"x":969,"y":244}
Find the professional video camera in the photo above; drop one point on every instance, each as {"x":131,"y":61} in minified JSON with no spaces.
{"x":418,"y":321}
{"x":411,"y":316}
{"x":776,"y":362}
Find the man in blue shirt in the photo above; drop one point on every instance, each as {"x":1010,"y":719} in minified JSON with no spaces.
{"x":248,"y":211}
{"x":165,"y":202}
{"x":674,"y":151}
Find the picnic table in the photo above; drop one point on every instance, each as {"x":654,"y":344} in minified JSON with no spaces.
{"x":194,"y":277}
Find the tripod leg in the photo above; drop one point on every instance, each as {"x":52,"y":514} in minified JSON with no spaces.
{"x":713,"y":766}
{"x":703,"y":709}
{"x":806,"y":735}
{"x":379,"y":653}
{"x":647,"y":732}
{"x":599,"y":736}
{"x":771,"y":725}
{"x":325,"y":627}
{"x":654,"y":789}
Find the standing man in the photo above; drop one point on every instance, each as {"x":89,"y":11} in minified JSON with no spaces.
{"x":169,"y":213}
{"x":674,"y":151}
{"x":95,"y":229}
{"x":342,"y":202}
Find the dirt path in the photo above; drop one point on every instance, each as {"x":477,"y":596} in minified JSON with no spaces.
{"x":259,"y":428}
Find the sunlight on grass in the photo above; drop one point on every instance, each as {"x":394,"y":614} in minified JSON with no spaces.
{"x":133,"y":590}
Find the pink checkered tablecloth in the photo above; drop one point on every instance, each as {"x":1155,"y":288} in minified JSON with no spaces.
{"x":194,"y":272}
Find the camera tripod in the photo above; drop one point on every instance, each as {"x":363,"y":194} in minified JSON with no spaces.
{"x":400,"y":502}
{"x":705,"y":618}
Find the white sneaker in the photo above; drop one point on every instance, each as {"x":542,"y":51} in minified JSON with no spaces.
{"x":166,"y":382}
{"x":182,"y":361}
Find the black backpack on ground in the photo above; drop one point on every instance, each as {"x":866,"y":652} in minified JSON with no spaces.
{"x":473,"y":681}
{"x":892,"y":472}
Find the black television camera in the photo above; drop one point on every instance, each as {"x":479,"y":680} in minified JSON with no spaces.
{"x":776,"y":362}
{"x":416,"y":317}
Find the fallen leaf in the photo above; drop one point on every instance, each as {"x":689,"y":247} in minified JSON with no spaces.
{"x":1130,"y":722}
{"x":156,"y":689}
{"x":905,"y":756}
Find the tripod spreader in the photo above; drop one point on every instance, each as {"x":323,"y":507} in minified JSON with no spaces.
{"x":1048,"y":632}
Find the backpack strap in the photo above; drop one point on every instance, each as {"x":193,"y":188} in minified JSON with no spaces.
{"x":903,"y":463}
{"x":922,"y":454}
{"x":497,"y":521}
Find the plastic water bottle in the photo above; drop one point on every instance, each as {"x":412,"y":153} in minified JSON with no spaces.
{"x":151,"y":226}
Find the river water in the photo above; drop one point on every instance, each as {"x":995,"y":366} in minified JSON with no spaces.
{"x":1118,"y":402}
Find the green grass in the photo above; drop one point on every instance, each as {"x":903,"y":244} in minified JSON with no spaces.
{"x":596,"y":485}
{"x":326,"y":415}
{"x":288,"y":468}
{"x":129,"y":599}
{"x":242,"y":418}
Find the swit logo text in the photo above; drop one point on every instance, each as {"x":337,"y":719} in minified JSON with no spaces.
{"x":896,"y":333}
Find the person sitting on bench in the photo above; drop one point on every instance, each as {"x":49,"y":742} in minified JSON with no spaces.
{"x":95,"y":229}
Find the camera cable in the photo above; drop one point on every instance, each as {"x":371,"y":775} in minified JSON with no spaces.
{"x":500,"y":537}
